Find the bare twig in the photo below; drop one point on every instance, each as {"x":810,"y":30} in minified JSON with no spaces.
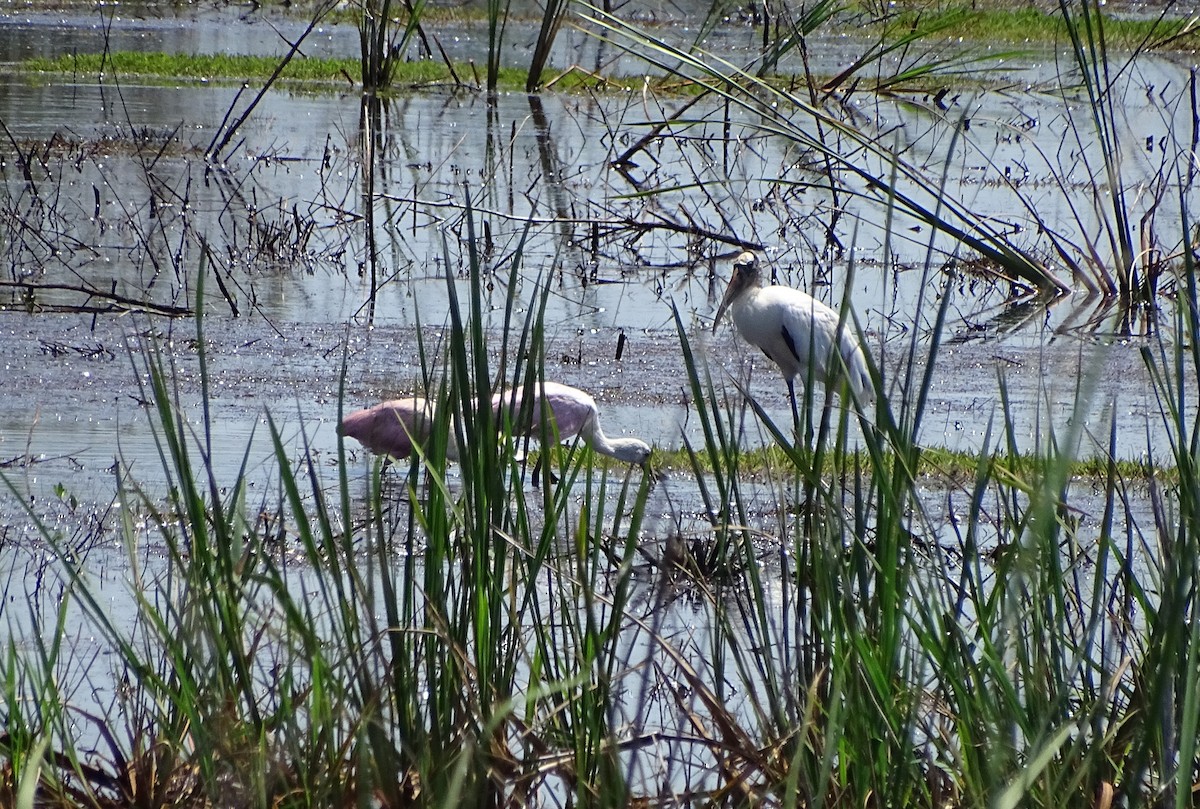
{"x":216,"y":146}
{"x":118,"y":302}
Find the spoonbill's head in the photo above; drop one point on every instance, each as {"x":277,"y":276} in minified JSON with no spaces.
{"x":641,"y":454}
{"x":745,"y":277}
{"x":632,"y":450}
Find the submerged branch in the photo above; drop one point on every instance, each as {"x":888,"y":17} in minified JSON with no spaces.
{"x":116,"y":301}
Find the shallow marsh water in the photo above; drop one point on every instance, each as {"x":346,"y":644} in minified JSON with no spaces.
{"x":72,"y":407}
{"x":303,"y":298}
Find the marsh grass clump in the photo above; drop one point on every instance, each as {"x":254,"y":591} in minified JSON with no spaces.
{"x":317,"y":72}
{"x":704,"y":557}
{"x":478,"y":638}
{"x":211,"y":67}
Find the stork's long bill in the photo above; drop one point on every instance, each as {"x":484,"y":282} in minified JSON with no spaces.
{"x":745,"y":276}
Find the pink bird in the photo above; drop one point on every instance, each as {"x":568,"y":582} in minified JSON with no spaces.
{"x":392,"y":428}
{"x":575,"y":414}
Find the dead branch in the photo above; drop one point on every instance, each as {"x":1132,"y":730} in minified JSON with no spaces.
{"x":117,"y":302}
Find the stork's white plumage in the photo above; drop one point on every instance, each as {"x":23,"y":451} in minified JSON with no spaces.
{"x":795,"y":330}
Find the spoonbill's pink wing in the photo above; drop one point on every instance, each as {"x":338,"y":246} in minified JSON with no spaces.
{"x":572,"y":409}
{"x":389,"y":428}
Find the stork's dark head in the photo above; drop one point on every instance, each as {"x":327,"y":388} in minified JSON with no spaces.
{"x":745,"y":276}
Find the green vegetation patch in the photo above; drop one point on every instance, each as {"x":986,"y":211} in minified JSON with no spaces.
{"x":164,"y":67}
{"x":199,"y":67}
{"x":219,"y":67}
{"x":936,"y":464}
{"x":1033,"y":25}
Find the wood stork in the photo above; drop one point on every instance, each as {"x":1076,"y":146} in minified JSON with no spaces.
{"x":796,"y":331}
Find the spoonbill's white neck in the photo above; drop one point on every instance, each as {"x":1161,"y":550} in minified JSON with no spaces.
{"x":628,"y":450}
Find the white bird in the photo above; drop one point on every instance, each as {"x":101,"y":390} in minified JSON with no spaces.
{"x":796,"y":331}
{"x":575,"y":413}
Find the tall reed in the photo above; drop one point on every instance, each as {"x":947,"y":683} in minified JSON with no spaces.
{"x":383,"y":42}
{"x":552,"y":18}
{"x":497,"y":17}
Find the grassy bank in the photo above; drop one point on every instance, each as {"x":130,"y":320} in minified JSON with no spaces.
{"x":317,"y":73}
{"x":938,"y":465}
{"x":964,"y":28}
{"x":1043,"y":27}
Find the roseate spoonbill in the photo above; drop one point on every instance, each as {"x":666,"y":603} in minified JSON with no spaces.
{"x":575,"y":413}
{"x":795,"y":331}
{"x":392,"y":428}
